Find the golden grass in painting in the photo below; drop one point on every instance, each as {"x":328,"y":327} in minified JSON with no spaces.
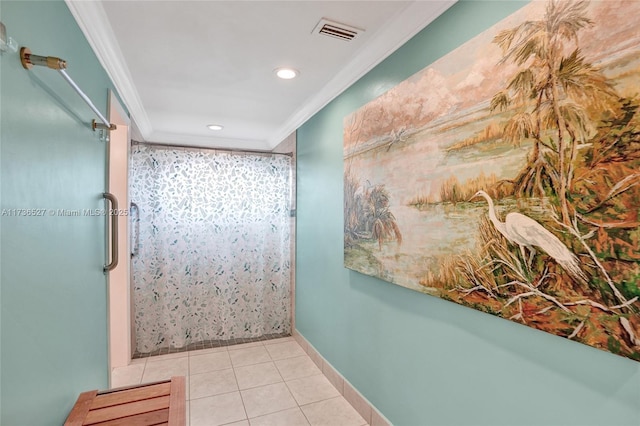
{"x":495,"y":278}
{"x":446,"y":277}
{"x":491,"y":133}
{"x":581,"y":133}
{"x":452,"y":191}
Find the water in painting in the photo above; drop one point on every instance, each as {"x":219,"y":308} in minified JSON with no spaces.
{"x":506,"y":175}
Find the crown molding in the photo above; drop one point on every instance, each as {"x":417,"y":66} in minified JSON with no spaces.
{"x":407,"y":23}
{"x":92,"y":20}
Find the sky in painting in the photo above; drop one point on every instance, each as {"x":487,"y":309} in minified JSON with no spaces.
{"x":468,"y":77}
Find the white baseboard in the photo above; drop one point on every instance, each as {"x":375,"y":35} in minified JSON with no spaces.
{"x":365,"y":408}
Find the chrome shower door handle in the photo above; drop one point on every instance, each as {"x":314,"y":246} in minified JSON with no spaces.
{"x":136,"y":241}
{"x":113,"y":212}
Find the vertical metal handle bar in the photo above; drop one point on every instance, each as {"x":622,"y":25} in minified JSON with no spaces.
{"x":114,"y":231}
{"x":136,"y":241}
{"x":84,"y":97}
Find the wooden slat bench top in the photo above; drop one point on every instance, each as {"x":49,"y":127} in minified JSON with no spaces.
{"x":143,"y":405}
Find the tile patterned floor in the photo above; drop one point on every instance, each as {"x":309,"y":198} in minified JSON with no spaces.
{"x":266,"y":383}
{"x":208,"y":344}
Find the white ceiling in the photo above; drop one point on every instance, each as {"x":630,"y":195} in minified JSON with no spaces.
{"x":180,"y":65}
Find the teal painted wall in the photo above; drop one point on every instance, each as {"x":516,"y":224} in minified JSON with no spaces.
{"x":419,"y":359}
{"x":53,"y":291}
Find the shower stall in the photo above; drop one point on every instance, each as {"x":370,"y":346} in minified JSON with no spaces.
{"x":211,"y":246}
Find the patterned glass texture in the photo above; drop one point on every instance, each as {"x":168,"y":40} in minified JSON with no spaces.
{"x":213,"y":257}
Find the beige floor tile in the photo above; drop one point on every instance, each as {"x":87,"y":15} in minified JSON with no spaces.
{"x":209,"y":362}
{"x":332,"y":412}
{"x":279,"y":340}
{"x":165,"y":368}
{"x":207,"y":351}
{"x":251,"y":376}
{"x":291,"y":417}
{"x":244,"y":346}
{"x":267,"y":399}
{"x":127,"y":376}
{"x":217,"y":410}
{"x":187,"y":387}
{"x":212,"y":383}
{"x":284,"y":350}
{"x":312,"y":389}
{"x":167,"y":356}
{"x":138,"y":361}
{"x":248,"y":356}
{"x":240,"y":423}
{"x":294,"y":368}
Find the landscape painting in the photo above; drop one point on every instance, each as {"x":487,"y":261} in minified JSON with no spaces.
{"x":506,"y":176}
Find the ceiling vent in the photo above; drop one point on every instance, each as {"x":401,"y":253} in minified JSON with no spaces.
{"x":336,"y":30}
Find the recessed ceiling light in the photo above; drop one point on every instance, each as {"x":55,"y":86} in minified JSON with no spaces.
{"x":286,"y":73}
{"x":215,"y":127}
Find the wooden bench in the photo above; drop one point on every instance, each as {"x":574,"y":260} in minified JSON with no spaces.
{"x":160,"y":403}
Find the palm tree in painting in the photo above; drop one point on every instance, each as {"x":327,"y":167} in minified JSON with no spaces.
{"x":352,"y":208}
{"x":554,"y":96}
{"x":367,"y":214}
{"x":380,"y":220}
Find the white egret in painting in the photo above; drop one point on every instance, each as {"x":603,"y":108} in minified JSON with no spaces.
{"x":526,"y":232}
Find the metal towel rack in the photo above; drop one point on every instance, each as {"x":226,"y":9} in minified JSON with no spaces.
{"x":29,"y":60}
